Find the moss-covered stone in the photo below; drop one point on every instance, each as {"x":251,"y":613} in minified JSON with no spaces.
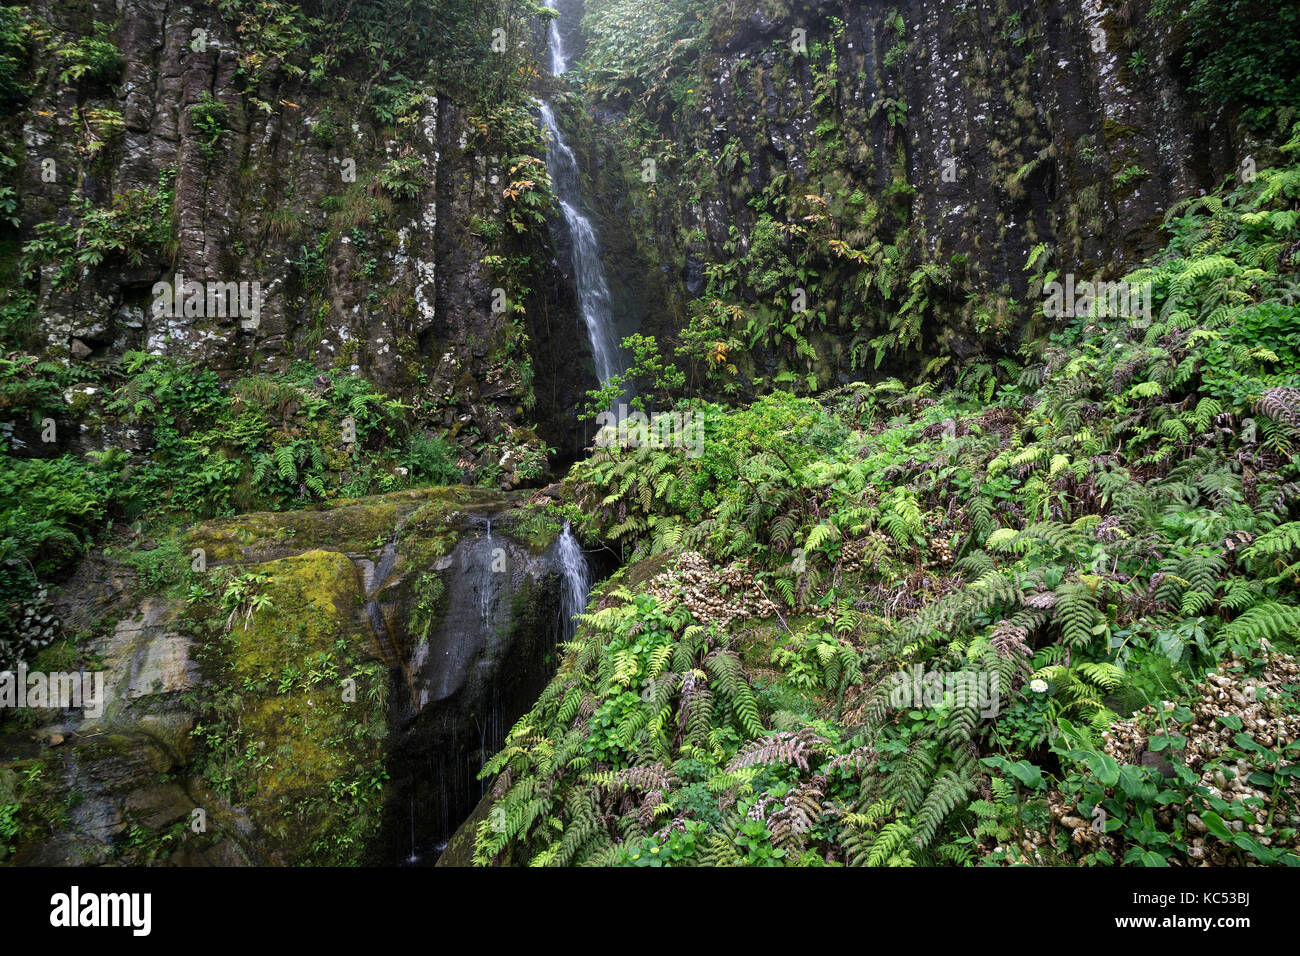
{"x":346,"y":524}
{"x":305,"y":747}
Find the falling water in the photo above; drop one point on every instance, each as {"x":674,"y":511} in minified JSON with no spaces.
{"x":558,"y":62}
{"x":414,"y":857}
{"x":489,"y":585}
{"x":589,"y":273}
{"x":577,"y":580}
{"x":477,"y":672}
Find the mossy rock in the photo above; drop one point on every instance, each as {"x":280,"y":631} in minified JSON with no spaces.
{"x":307,"y":766}
{"x":534,"y":526}
{"x":346,"y":524}
{"x":311,"y":597}
{"x":643,"y":571}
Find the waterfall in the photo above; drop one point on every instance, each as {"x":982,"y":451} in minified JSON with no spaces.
{"x":489,"y":587}
{"x":577,"y":580}
{"x":558,"y":62}
{"x":479,"y":670}
{"x":589,"y":273}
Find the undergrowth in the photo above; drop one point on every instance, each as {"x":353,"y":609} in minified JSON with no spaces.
{"x":1107,"y":528}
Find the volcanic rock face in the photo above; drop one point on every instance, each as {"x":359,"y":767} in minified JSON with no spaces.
{"x":977,"y":132}
{"x":280,"y":189}
{"x":967,"y":133}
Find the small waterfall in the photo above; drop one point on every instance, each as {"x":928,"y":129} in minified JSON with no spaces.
{"x":489,"y":582}
{"x":482,"y":667}
{"x":577,"y":579}
{"x":558,"y":62}
{"x":385,"y":566}
{"x":589,"y":273}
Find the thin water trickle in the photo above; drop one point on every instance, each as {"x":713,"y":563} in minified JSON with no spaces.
{"x":413,"y":858}
{"x":387,"y":558}
{"x":487,"y":592}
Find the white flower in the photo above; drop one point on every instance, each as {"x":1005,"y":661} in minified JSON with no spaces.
{"x":1038,"y":686}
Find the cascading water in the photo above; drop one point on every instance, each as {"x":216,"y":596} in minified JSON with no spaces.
{"x":558,"y":62}
{"x":589,"y":273}
{"x":483,"y":664}
{"x":577,"y":579}
{"x":489,"y":654}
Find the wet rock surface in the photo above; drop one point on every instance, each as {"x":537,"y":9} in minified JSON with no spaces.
{"x":251,"y":733}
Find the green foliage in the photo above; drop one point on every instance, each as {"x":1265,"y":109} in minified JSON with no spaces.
{"x":431,"y":460}
{"x":94,"y":58}
{"x":1126,"y":801}
{"x":633,"y":46}
{"x":158,"y":566}
{"x":26,"y":812}
{"x":404,"y":176}
{"x":649,"y":376}
{"x":1128,"y":175}
{"x":135,"y":226}
{"x":268,"y":442}
{"x":1102,"y":527}
{"x":529,"y":193}
{"x":794,"y":277}
{"x":428,"y":593}
{"x":15,"y":51}
{"x":1241,"y":55}
{"x":401,"y":47}
{"x":209,"y":116}
{"x":53,"y":507}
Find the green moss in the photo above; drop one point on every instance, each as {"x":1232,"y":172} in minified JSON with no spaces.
{"x":344,"y":524}
{"x":286,"y":742}
{"x":639,"y":572}
{"x":311,"y":597}
{"x":535,"y":526}
{"x":1115,"y":131}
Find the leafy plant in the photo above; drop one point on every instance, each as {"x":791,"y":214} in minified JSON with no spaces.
{"x":209,"y":116}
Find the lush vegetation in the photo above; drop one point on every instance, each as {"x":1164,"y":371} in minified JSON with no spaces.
{"x":394,"y":39}
{"x":1098,"y":530}
{"x":208,"y":444}
{"x":812,"y":262}
{"x":1242,"y":56}
{"x":910,"y":572}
